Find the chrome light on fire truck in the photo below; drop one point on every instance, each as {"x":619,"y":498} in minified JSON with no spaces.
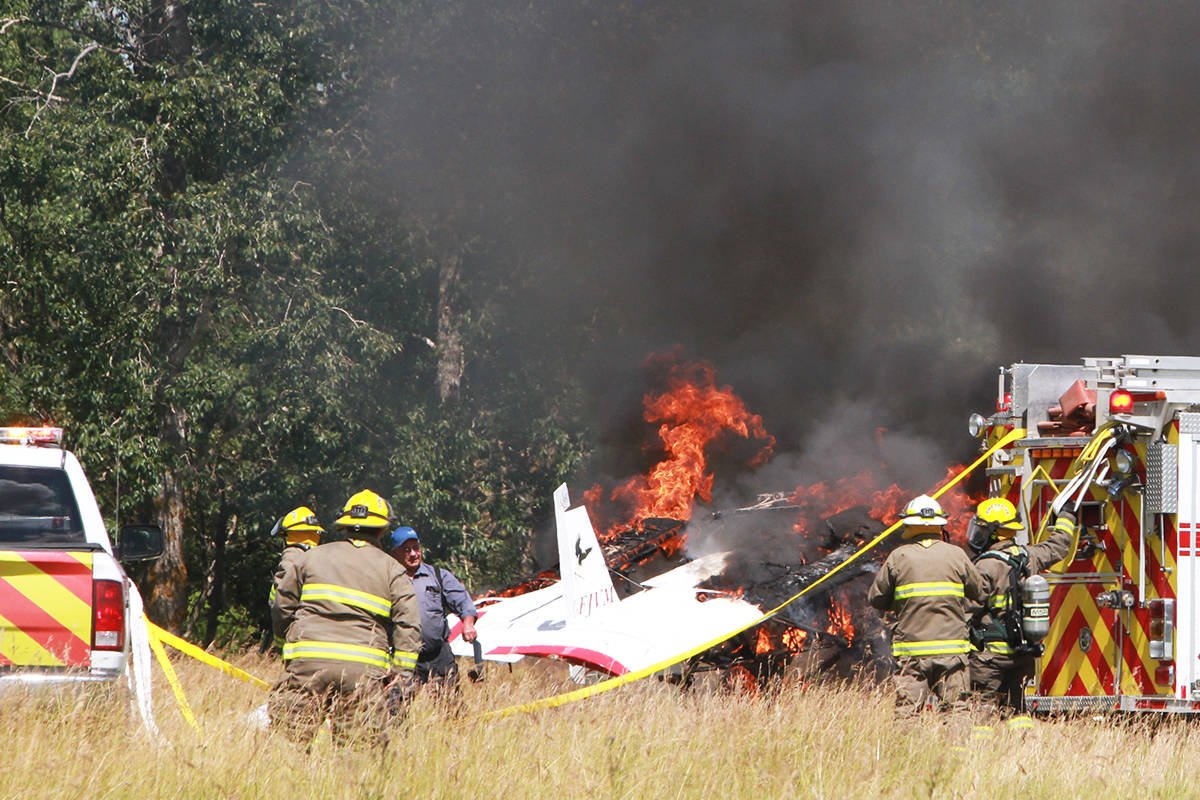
{"x":1123,"y":463}
{"x":1162,"y":629}
{"x":977,"y":425}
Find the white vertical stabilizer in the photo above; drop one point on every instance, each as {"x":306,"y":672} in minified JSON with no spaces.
{"x":586,"y":582}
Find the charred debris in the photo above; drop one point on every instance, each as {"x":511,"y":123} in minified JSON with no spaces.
{"x":776,"y":549}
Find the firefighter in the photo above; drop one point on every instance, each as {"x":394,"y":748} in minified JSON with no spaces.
{"x":926,"y":583}
{"x":437,"y":591}
{"x":1004,"y":659}
{"x":302,"y":532}
{"x":353,"y":629}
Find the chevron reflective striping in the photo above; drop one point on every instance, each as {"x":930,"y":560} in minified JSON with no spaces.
{"x":1069,"y":670}
{"x":17,"y":648}
{"x":1138,"y":675}
{"x":45,"y":599}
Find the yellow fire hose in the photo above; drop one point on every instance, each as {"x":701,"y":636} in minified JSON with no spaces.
{"x":172,"y":678}
{"x":1086,"y":460}
{"x":158,"y":636}
{"x":203,"y":656}
{"x":630,"y":677}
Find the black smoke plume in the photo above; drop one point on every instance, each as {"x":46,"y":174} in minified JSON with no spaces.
{"x":863,"y":203}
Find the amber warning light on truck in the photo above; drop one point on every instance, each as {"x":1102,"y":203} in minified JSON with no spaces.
{"x":51,"y":436}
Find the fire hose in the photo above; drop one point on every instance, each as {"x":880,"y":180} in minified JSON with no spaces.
{"x":630,"y":677}
{"x":1088,"y":467}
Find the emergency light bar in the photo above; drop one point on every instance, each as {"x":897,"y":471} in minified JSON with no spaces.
{"x":32,"y":436}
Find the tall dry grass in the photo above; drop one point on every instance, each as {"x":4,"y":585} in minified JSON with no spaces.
{"x":646,"y":740}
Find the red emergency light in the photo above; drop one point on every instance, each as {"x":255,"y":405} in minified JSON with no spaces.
{"x":1120,"y":402}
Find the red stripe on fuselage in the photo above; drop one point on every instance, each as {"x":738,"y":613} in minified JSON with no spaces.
{"x":575,"y":655}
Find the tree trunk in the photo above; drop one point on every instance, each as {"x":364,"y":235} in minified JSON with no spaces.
{"x":166,"y":35}
{"x":451,"y":357}
{"x":168,"y":575}
{"x":216,"y":582}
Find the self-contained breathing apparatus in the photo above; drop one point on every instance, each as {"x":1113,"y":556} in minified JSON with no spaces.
{"x":1020,"y":615}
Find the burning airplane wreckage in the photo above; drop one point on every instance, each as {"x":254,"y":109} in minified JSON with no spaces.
{"x":665,"y":581}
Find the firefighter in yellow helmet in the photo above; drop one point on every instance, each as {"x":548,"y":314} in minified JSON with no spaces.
{"x":1004,"y":659}
{"x":926,"y":583}
{"x":353,"y":630}
{"x":303,"y":532}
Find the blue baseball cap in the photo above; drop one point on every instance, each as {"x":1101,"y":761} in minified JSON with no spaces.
{"x":403,"y":534}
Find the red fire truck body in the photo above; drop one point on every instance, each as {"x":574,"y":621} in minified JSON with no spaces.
{"x":1117,"y":442}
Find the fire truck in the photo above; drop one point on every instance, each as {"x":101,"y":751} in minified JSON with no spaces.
{"x":1116,"y":441}
{"x":64,"y":596}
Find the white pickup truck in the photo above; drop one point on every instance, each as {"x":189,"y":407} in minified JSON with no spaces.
{"x":64,"y":597}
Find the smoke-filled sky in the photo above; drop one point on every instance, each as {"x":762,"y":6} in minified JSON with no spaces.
{"x":855,"y":209}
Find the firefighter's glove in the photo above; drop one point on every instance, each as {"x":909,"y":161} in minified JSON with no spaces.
{"x":1065,"y":523}
{"x":403,"y":688}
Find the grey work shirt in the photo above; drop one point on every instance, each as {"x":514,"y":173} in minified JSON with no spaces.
{"x":433,"y":621}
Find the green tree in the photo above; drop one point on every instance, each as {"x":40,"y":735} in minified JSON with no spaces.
{"x":202,"y":286}
{"x":166,"y":291}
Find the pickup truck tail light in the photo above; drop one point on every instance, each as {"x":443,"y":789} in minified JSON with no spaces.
{"x":108,"y":615}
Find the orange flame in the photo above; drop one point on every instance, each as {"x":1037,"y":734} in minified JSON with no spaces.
{"x":886,"y":504}
{"x":839,"y":622}
{"x":691,"y":413}
{"x":794,"y":639}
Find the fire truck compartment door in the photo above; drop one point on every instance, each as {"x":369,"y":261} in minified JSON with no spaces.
{"x":1187,"y":575}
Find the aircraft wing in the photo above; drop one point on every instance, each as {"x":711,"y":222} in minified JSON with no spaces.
{"x":641,"y":630}
{"x":581,"y":621}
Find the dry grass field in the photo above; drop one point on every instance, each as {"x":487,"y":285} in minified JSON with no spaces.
{"x":646,"y":740}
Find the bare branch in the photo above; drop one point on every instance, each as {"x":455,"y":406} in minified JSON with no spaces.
{"x":358,"y":323}
{"x":5,"y":24}
{"x":50,"y":96}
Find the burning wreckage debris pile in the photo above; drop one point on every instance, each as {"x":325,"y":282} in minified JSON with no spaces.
{"x":776,"y":547}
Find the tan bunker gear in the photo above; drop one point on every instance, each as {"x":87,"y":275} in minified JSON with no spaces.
{"x":352,"y":626}
{"x":926,"y":583}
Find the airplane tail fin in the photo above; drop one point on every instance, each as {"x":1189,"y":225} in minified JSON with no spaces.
{"x":586,"y":582}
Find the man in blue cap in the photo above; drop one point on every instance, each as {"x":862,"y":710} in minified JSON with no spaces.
{"x":438,"y":591}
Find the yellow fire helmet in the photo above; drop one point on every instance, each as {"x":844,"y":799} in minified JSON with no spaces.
{"x":366,"y":510}
{"x":298,"y":520}
{"x":998,"y":512}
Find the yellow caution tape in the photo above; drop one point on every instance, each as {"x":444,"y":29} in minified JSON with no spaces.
{"x":184,"y":646}
{"x":172,"y":678}
{"x":630,"y":677}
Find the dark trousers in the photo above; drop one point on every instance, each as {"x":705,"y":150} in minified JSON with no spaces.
{"x":437,"y":666}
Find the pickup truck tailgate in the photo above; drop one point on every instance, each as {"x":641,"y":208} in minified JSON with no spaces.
{"x":45,"y":608}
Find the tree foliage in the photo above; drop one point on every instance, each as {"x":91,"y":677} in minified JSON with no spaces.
{"x":202,"y":287}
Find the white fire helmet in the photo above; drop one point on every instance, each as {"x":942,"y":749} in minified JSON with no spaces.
{"x":923,"y":511}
